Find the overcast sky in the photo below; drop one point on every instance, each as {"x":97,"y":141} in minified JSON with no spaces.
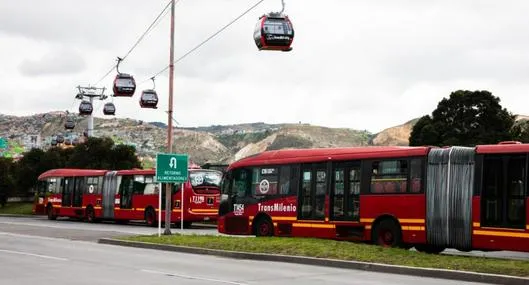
{"x":359,"y":64}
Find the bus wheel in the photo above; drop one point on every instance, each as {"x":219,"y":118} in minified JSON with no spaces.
{"x":49,"y":211}
{"x":150,"y":217}
{"x":430,"y":249}
{"x":90,"y":214}
{"x":264,"y":227}
{"x":387,"y":233}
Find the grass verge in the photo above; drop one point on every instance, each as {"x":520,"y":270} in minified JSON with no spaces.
{"x":343,"y":251}
{"x":17,"y":208}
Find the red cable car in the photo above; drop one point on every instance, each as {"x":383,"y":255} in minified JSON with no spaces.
{"x":149,"y":99}
{"x":274,"y":31}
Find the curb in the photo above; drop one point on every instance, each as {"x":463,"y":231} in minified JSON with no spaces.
{"x":377,"y":267}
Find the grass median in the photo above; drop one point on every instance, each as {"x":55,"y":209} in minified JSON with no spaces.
{"x":17,"y":208}
{"x":340,"y":250}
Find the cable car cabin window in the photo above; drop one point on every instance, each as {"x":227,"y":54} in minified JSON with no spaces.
{"x":125,"y":82}
{"x":149,"y":96}
{"x":277,"y":27}
{"x":389,"y":176}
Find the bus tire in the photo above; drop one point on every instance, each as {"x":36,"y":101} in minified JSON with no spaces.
{"x":187,"y":225}
{"x":49,"y":212}
{"x":150,"y":217}
{"x":90,"y":214}
{"x":430,"y":249}
{"x":263,"y":227}
{"x":387,"y":233}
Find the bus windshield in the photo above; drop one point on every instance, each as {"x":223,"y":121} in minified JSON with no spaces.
{"x":202,"y":178}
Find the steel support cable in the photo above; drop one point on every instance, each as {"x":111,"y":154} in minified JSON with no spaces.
{"x":207,"y":39}
{"x":150,"y":28}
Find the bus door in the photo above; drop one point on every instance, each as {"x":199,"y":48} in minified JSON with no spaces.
{"x":109,"y":194}
{"x":503,"y":193}
{"x":126,"y":190}
{"x":313,"y":188}
{"x":345,"y":192}
{"x":67,"y":191}
{"x":77,"y":199}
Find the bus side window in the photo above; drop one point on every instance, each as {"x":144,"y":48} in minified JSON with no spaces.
{"x":284,"y":180}
{"x":389,"y":176}
{"x":264,"y":181}
{"x":416,"y":176}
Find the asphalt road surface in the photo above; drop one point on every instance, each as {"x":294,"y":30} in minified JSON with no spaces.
{"x":30,"y":260}
{"x":76,"y":230}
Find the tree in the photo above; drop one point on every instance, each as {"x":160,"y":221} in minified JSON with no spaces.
{"x":96,"y":153}
{"x":101,"y":153}
{"x":28,"y":169}
{"x":467,"y":118}
{"x":520,"y":131}
{"x":124,"y":157}
{"x":7,"y":184}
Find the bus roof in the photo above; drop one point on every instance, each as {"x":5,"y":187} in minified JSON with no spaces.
{"x":136,"y":172}
{"x":153,"y":171}
{"x":504,"y":147}
{"x":71,"y":172}
{"x":325,"y":154}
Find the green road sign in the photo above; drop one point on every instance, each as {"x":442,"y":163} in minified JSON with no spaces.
{"x":171,"y":167}
{"x":3,"y":143}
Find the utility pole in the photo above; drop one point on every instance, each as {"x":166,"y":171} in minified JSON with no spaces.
{"x":91,"y":93}
{"x":168,"y":192}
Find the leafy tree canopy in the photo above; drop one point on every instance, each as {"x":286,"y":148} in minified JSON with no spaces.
{"x":467,"y":118}
{"x":96,"y":153}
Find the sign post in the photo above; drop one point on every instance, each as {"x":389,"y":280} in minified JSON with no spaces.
{"x":159,"y":209}
{"x":172,"y":168}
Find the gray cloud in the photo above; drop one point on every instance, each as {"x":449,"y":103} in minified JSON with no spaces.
{"x":56,"y":62}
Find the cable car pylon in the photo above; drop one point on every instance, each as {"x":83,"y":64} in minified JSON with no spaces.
{"x":86,"y":107}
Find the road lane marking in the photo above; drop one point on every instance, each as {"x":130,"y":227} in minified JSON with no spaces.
{"x":33,"y":254}
{"x":192,"y":277}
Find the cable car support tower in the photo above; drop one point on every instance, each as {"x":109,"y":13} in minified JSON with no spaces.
{"x":91,"y":92}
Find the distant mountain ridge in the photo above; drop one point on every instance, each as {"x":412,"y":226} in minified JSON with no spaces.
{"x":213,"y":144}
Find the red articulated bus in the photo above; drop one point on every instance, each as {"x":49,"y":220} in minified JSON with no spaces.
{"x":126,"y":195}
{"x":431,"y":198}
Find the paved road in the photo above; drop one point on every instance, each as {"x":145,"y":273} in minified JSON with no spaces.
{"x":76,"y":230}
{"x":33,"y":260}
